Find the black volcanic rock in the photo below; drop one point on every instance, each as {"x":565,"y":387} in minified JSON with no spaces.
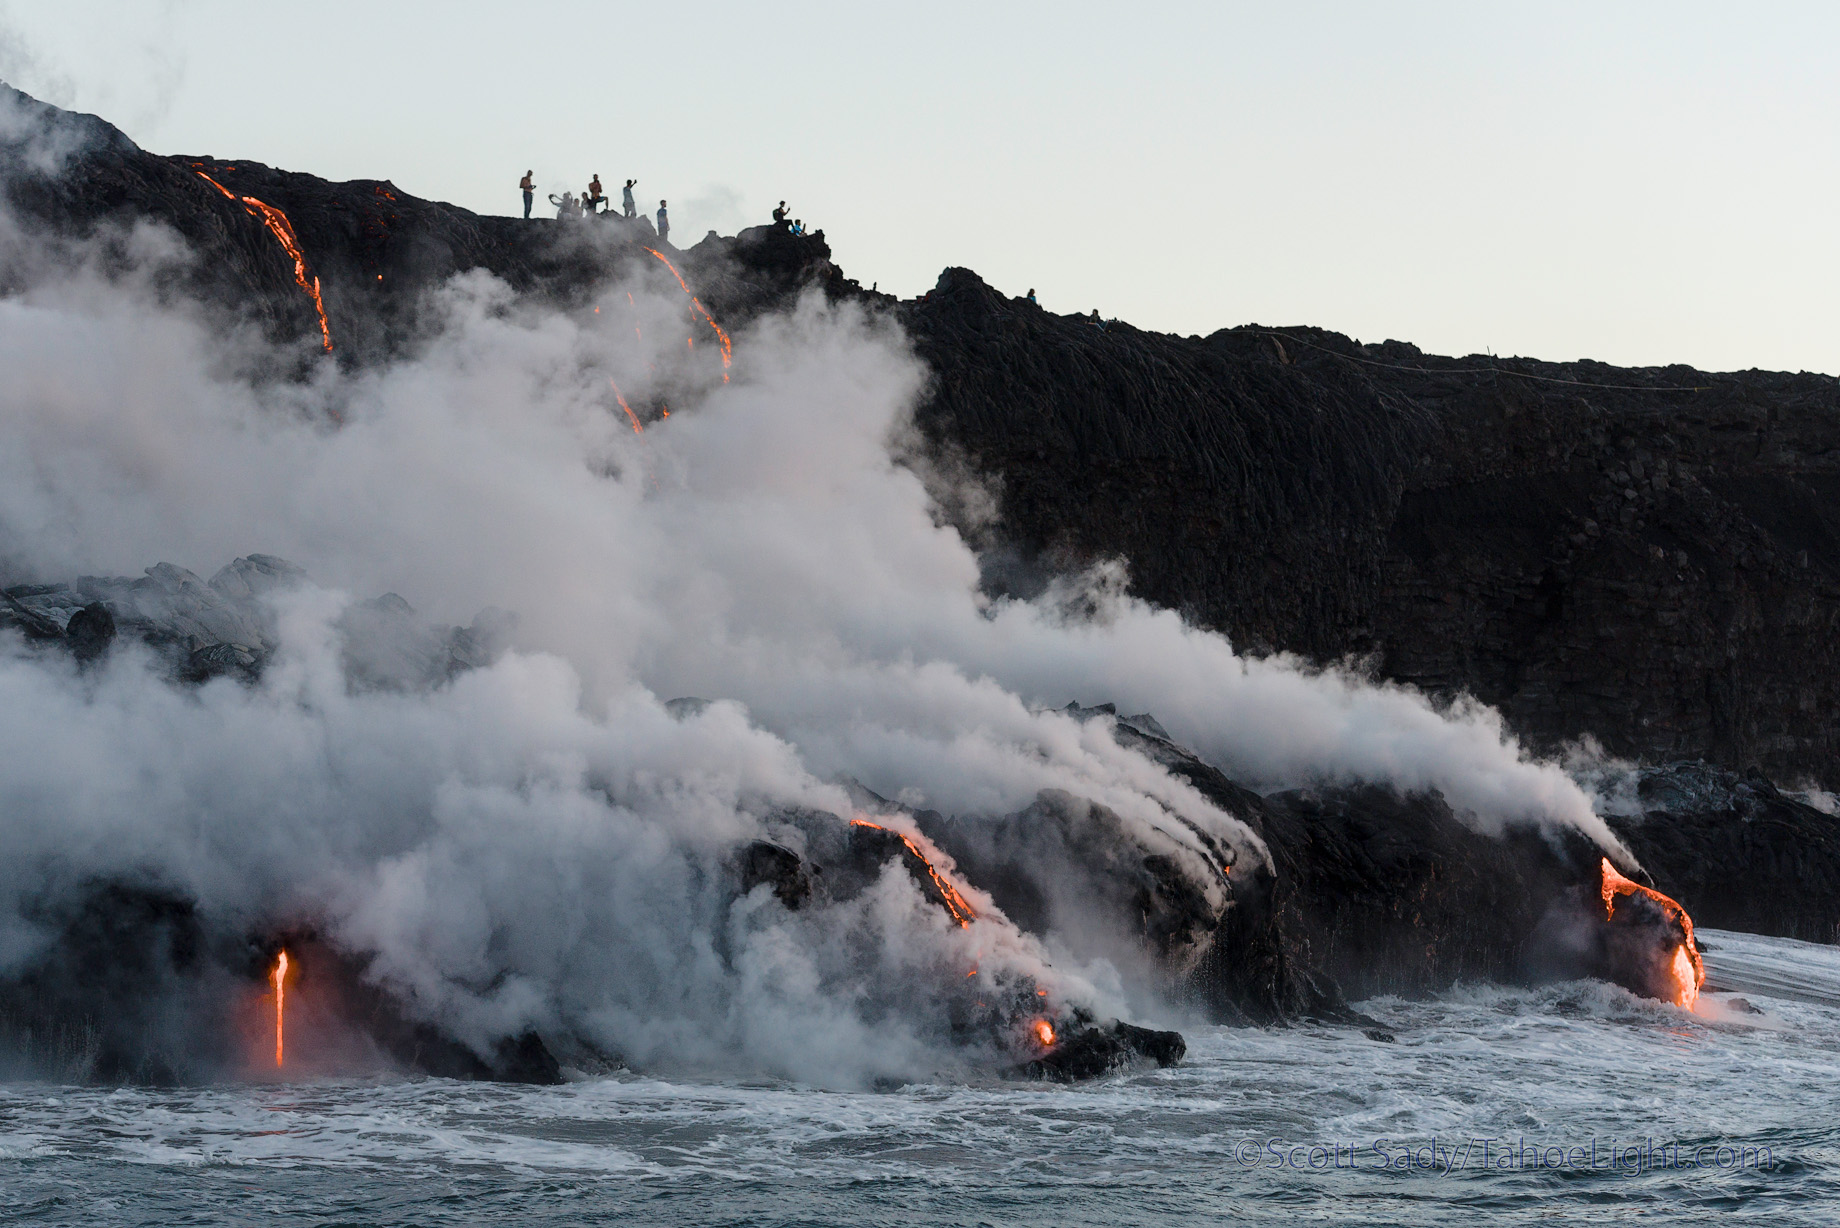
{"x":1090,"y":1051}
{"x":224,"y":627}
{"x":1650,"y":556}
{"x":1647,"y":556}
{"x":90,"y":631}
{"x":1736,"y":852}
{"x":780,"y":868}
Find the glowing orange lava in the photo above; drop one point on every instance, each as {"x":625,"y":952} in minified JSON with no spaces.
{"x":1688,"y":969}
{"x":621,"y":398}
{"x":283,"y":230}
{"x":1043,"y":1032}
{"x":727,"y":348}
{"x":280,"y":1001}
{"x":955,"y":903}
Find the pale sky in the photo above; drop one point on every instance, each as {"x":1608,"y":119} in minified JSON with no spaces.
{"x":1636,"y":182}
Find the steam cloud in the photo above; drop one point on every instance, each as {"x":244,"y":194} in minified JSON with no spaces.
{"x":539,"y":842}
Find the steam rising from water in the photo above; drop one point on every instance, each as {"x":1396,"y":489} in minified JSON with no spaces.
{"x":540,"y":843}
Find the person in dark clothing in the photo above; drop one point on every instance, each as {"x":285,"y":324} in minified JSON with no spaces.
{"x":627,"y":202}
{"x":779,"y":214}
{"x":529,"y":186}
{"x":664,"y":223}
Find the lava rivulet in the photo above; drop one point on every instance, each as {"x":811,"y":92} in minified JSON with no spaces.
{"x":283,"y":230}
{"x":281,"y":966}
{"x":727,"y":347}
{"x":621,"y":398}
{"x":956,"y":904}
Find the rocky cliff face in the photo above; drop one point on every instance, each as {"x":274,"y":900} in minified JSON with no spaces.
{"x":1649,"y":557}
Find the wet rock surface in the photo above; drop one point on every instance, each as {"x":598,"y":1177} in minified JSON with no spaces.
{"x":1091,"y":1052}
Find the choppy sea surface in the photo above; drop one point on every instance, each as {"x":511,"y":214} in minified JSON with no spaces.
{"x":1574,"y":1103}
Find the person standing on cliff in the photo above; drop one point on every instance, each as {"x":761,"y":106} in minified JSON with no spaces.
{"x":632,"y":207}
{"x":529,"y":186}
{"x":664,"y":224}
{"x":594,"y":193}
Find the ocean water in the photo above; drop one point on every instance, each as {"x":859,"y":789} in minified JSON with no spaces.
{"x":1573,"y":1103}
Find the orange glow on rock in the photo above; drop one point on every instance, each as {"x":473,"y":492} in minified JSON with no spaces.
{"x":1043,"y":1031}
{"x":1689,"y":971}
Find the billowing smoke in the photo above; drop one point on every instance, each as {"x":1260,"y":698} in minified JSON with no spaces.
{"x":539,"y":842}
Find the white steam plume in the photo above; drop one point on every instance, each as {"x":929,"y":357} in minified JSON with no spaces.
{"x":535,"y":844}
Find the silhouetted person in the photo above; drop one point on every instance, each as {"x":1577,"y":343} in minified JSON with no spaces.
{"x":664,"y":223}
{"x":594,"y":192}
{"x":631,"y":206}
{"x":1031,"y":294}
{"x":779,"y":214}
{"x":529,"y":187}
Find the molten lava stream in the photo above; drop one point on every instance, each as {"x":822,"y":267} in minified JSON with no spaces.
{"x":1686,"y":967}
{"x":631,"y":416}
{"x":727,"y":347}
{"x":281,"y":966}
{"x":956,"y":904}
{"x":283,"y":230}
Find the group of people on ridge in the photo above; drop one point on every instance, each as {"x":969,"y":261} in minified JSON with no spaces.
{"x":796,"y":226}
{"x":593,"y":202}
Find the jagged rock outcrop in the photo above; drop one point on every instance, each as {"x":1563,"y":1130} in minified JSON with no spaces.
{"x":226,"y":626}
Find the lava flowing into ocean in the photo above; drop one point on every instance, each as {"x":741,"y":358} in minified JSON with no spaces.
{"x":955,"y":903}
{"x":727,"y":347}
{"x":283,"y":230}
{"x":1043,"y":1031}
{"x":281,"y":967}
{"x":1686,"y":967}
